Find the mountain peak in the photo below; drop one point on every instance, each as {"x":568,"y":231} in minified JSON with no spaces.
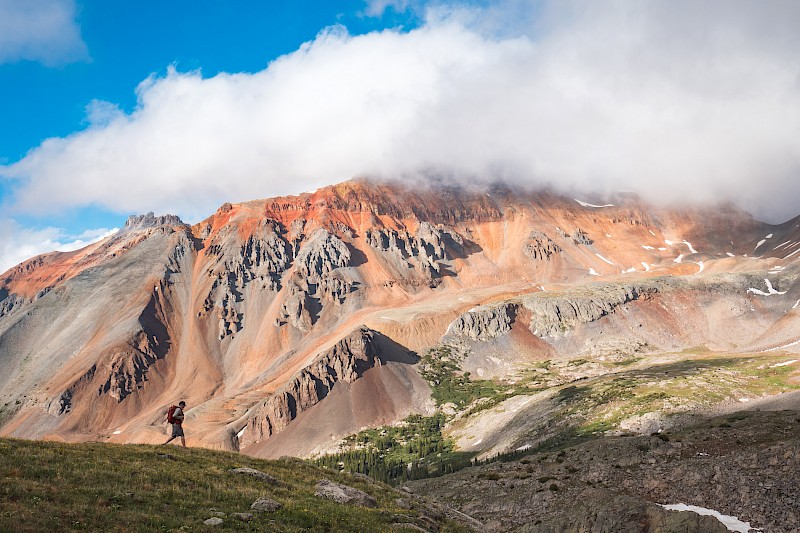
{"x":151,"y":221}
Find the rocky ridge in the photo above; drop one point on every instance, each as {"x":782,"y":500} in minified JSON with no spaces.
{"x":346,"y":361}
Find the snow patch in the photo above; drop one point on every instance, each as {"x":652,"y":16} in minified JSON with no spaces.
{"x":651,"y":232}
{"x":783,"y":346}
{"x":768,"y":236}
{"x":603,"y":258}
{"x":241,"y":432}
{"x":691,"y":248}
{"x":648,"y":247}
{"x":607,"y":235}
{"x":729,"y":254}
{"x":796,"y":304}
{"x":117,"y":432}
{"x":701,"y":265}
{"x":584,"y":204}
{"x":524,"y":447}
{"x":762,"y":241}
{"x":678,"y":259}
{"x":668,"y":242}
{"x":593,"y":272}
{"x":730,"y":522}
{"x":781,"y":245}
{"x":785,"y":363}
{"x":770,"y":290}
{"x":631,"y":269}
{"x":662,"y":249}
{"x":791,"y":254}
{"x":646,"y":266}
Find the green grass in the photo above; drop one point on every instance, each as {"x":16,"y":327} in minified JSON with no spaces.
{"x":439,"y":366}
{"x":384,"y":453}
{"x":105,"y":487}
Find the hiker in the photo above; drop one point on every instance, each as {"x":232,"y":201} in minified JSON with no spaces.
{"x":175,"y":416}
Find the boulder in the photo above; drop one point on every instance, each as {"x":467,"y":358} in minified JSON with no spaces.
{"x":344,"y":494}
{"x":256,"y":474}
{"x":265,"y":505}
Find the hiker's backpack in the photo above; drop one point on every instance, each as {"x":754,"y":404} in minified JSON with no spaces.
{"x":171,"y":415}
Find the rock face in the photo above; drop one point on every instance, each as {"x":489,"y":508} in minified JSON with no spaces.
{"x":345,"y":362}
{"x":485,"y":323}
{"x":551,"y":316}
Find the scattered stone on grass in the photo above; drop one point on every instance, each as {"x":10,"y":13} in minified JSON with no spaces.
{"x":244,"y":517}
{"x":215,"y":521}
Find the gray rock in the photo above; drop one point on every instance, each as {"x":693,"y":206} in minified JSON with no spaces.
{"x":244,"y":517}
{"x":484,"y":323}
{"x":343,"y":494}
{"x":540,"y":247}
{"x":256,"y":474}
{"x":265,"y":505}
{"x":213,"y":521}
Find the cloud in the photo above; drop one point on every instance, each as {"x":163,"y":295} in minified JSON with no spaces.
{"x":19,"y":243}
{"x":376,"y":8}
{"x":40,"y":30}
{"x":681,"y":101}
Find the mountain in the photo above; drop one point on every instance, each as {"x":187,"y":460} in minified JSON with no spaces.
{"x":289,"y":323}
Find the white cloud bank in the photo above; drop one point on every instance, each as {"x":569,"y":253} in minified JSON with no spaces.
{"x":18,"y":243}
{"x":673,"y":98}
{"x":40,"y":30}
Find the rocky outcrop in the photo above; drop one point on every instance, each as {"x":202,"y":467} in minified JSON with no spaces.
{"x":346,"y":361}
{"x":580,"y":237}
{"x":127,"y":370}
{"x":322,"y":253}
{"x":540,"y":247}
{"x":296,"y":308}
{"x":8,"y":302}
{"x":261,"y":260}
{"x":424,"y":251}
{"x":552,"y":315}
{"x":149,"y":220}
{"x":484,"y":323}
{"x":316,"y":280}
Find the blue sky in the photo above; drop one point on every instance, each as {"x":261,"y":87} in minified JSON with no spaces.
{"x":104,"y":50}
{"x":114,"y":108}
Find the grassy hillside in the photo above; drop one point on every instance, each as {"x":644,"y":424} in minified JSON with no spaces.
{"x":103,"y":487}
